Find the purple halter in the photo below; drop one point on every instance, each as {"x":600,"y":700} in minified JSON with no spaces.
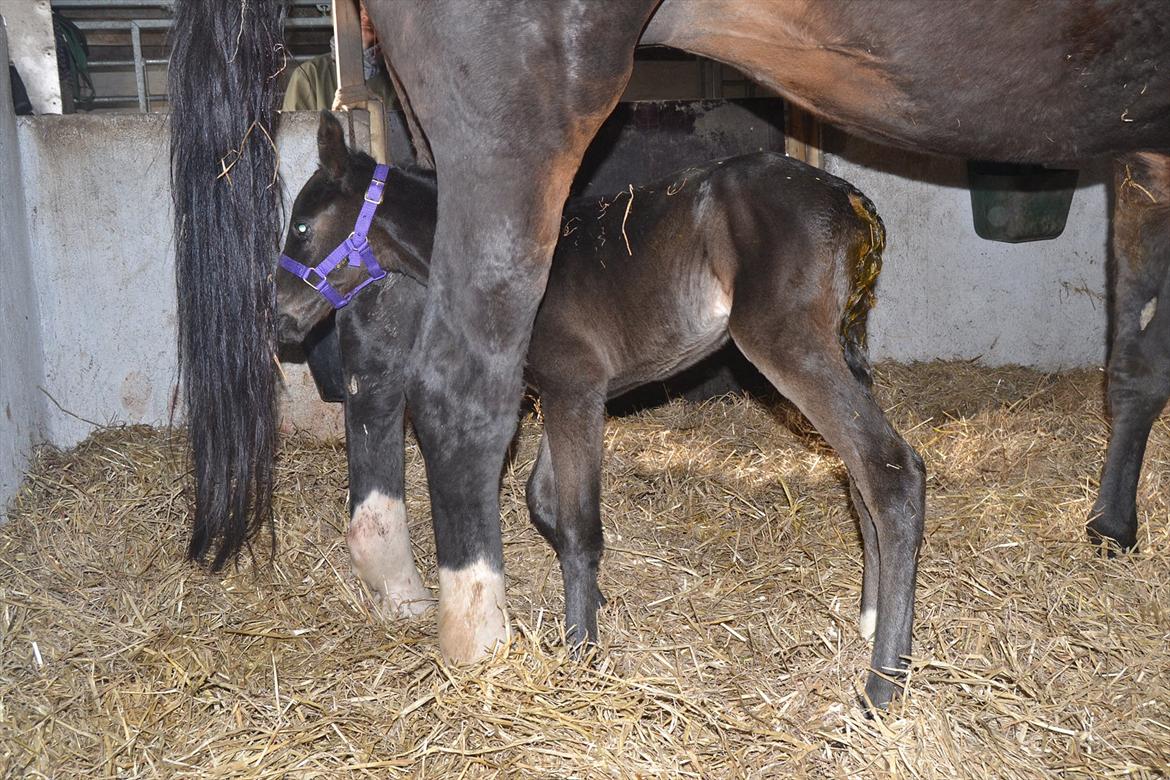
{"x":356,"y":248}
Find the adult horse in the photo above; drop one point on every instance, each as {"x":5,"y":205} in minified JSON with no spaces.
{"x":510,"y":92}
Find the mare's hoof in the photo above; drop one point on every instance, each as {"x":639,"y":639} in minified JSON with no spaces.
{"x":472,"y":618}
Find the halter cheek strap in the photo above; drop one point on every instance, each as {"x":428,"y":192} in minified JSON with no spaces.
{"x":356,"y":249}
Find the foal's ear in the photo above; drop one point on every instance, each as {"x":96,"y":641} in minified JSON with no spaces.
{"x":331,"y":147}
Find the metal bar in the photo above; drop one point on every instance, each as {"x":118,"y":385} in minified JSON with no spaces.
{"x":139,"y":70}
{"x":147,"y":61}
{"x":123,"y":99}
{"x":307,"y":23}
{"x":100,"y":4}
{"x":151,"y":62}
{"x":347,"y":31}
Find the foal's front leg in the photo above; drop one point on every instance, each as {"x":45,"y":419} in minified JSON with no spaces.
{"x":574,"y":421}
{"x":375,"y":346}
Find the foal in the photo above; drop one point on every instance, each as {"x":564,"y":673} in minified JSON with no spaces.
{"x":779,"y":257}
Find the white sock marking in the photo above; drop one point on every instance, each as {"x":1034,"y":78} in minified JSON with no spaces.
{"x":1148,"y":313}
{"x":472,"y":615}
{"x":379,"y":546}
{"x":868,"y":623}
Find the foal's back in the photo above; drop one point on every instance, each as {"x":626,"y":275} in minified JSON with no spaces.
{"x":642,"y":284}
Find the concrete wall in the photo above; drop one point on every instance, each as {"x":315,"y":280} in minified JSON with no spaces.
{"x":22,"y":406}
{"x":33,"y":49}
{"x":946,"y":293}
{"x":100,"y":219}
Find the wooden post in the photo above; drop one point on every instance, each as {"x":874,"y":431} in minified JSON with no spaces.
{"x":802,"y":135}
{"x":347,"y":34}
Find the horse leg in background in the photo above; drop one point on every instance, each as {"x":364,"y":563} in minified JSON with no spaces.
{"x":505,"y":148}
{"x":378,"y":537}
{"x":889,"y":475}
{"x":1139,"y":359}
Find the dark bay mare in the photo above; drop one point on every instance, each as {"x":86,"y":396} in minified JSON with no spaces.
{"x":509,"y":94}
{"x":775,"y":255}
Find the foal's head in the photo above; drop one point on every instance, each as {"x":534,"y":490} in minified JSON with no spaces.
{"x":324,"y":215}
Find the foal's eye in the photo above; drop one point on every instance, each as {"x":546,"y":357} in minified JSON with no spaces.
{"x":301,"y":228}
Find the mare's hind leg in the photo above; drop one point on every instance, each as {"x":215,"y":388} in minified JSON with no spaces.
{"x":507,"y":149}
{"x":810,"y":370}
{"x":373,"y":355}
{"x":1139,"y":360}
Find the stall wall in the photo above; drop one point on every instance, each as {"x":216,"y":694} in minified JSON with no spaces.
{"x":98,"y":204}
{"x":22,"y":405}
{"x":100,"y":219}
{"x":945,"y":293}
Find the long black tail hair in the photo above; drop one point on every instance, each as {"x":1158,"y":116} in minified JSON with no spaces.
{"x":224,"y":74}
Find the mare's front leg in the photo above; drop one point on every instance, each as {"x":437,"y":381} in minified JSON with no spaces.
{"x":505,"y":148}
{"x":376,"y":336}
{"x":1139,"y":360}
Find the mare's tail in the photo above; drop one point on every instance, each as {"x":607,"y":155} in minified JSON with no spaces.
{"x":865,"y":264}
{"x":225,"y":60}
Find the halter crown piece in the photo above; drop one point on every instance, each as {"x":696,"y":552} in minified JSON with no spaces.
{"x":356,"y":249}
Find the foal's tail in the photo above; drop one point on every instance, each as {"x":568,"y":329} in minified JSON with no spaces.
{"x":865,"y":264}
{"x":225,"y":62}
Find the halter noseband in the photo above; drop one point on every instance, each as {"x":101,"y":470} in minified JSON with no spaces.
{"x":356,"y":248}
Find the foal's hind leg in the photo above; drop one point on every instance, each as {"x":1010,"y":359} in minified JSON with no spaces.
{"x":890,"y":478}
{"x":1139,"y":360}
{"x":871,"y":566}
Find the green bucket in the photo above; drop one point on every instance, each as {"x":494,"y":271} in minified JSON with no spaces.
{"x":1015,"y":203}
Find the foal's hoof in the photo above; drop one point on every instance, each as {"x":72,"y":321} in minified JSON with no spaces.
{"x":879,"y":691}
{"x":867,"y":626}
{"x":1111,"y":535}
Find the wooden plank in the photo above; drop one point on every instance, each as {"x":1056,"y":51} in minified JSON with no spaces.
{"x":347,"y":34}
{"x":803,"y":136}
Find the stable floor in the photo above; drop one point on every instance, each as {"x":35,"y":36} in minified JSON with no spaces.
{"x":730,"y":639}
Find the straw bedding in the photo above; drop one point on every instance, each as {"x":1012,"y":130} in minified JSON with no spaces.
{"x":730,"y":641}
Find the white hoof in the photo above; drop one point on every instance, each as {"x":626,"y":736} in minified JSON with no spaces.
{"x":472,"y":617}
{"x":379,"y":546}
